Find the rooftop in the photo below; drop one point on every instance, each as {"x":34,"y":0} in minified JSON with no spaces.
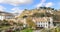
{"x":5,"y":13}
{"x":41,"y":19}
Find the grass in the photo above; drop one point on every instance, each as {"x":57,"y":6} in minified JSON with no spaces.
{"x":27,"y":30}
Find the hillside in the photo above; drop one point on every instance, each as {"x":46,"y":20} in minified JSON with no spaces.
{"x":41,"y":12}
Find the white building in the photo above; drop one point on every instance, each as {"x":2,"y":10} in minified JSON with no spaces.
{"x":44,"y":22}
{"x":6,"y":15}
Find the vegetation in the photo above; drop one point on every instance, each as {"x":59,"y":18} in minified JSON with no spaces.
{"x":7,"y":26}
{"x":56,"y":17}
{"x":57,"y":29}
{"x":30,"y":23}
{"x":38,"y":15}
{"x":27,"y":30}
{"x":44,"y":30}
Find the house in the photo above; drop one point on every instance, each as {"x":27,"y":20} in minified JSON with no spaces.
{"x":6,"y":15}
{"x":45,"y":22}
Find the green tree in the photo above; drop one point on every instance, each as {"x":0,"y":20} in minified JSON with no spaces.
{"x":5,"y":23}
{"x":30,"y":23}
{"x":57,"y":29}
{"x":38,"y":15}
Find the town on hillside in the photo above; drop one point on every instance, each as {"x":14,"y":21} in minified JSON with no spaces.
{"x":42,"y":19}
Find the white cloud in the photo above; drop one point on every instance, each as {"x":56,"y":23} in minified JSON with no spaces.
{"x":2,"y":8}
{"x":49,"y":4}
{"x":41,"y":3}
{"x":16,"y":2}
{"x":16,"y":10}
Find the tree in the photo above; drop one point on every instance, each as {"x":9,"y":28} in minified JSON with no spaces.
{"x":30,"y":23}
{"x":48,"y":14}
{"x":56,"y":17}
{"x":25,"y":16}
{"x":5,"y":23}
{"x":19,"y":24}
{"x":43,"y":7}
{"x":38,"y":15}
{"x":57,"y":29}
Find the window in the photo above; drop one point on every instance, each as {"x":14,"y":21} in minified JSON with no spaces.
{"x":46,"y":24}
{"x":41,"y":25}
{"x":49,"y":22}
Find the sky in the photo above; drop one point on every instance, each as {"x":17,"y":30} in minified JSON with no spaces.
{"x":17,"y":6}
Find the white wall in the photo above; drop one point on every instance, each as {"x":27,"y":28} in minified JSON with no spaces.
{"x":42,"y":24}
{"x":2,"y":17}
{"x":51,"y":22}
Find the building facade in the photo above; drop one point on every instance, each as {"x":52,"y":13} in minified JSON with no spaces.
{"x":45,"y":22}
{"x":6,"y":15}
